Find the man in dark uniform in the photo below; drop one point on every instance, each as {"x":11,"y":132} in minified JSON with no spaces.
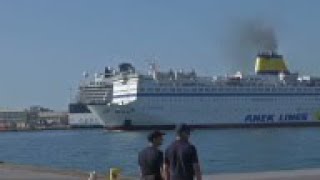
{"x":181,"y":158}
{"x":151,"y":158}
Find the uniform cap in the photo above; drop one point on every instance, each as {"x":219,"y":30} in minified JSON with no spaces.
{"x":155,"y":134}
{"x":180,"y":128}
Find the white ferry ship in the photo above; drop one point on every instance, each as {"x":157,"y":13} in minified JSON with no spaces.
{"x":91,"y":90}
{"x":273,"y":96}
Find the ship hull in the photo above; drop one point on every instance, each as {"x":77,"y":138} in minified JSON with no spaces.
{"x":84,"y":120}
{"x":213,"y":126}
{"x":80,"y":117}
{"x":155,"y":112}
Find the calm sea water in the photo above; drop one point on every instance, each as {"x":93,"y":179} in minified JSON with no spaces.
{"x":233,"y":150}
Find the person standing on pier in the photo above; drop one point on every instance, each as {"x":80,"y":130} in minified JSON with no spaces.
{"x":151,"y":158}
{"x":181,"y":158}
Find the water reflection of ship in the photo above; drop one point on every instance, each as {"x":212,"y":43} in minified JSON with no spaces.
{"x":91,"y":89}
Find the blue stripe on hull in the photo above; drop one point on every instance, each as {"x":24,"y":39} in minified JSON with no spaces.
{"x":214,"y":94}
{"x":216,"y":126}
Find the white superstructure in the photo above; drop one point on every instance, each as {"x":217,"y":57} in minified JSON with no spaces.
{"x":97,"y":89}
{"x":272,"y":95}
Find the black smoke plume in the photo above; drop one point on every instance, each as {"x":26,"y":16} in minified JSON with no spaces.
{"x":244,"y":40}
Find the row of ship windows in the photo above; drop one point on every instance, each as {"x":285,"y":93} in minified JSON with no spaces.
{"x":91,"y":100}
{"x":93,"y":94}
{"x":233,"y":99}
{"x":95,"y":98}
{"x":89,"y":120}
{"x":98,"y":83}
{"x":228,"y":89}
{"x":93,"y":91}
{"x":147,"y":109}
{"x":93,"y":88}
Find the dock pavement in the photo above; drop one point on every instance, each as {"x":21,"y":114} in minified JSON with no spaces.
{"x":303,"y":174}
{"x":25,"y":172}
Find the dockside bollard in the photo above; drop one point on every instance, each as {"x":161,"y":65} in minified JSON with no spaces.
{"x":115,"y":173}
{"x":93,"y":175}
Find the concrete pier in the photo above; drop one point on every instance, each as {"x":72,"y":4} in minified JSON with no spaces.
{"x":11,"y":171}
{"x":23,"y":172}
{"x":305,"y":174}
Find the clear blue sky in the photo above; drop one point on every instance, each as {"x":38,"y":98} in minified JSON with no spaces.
{"x":45,"y":45}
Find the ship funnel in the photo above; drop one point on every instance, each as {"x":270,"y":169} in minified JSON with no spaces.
{"x":107,"y":72}
{"x":270,"y":63}
{"x":126,"y":67}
